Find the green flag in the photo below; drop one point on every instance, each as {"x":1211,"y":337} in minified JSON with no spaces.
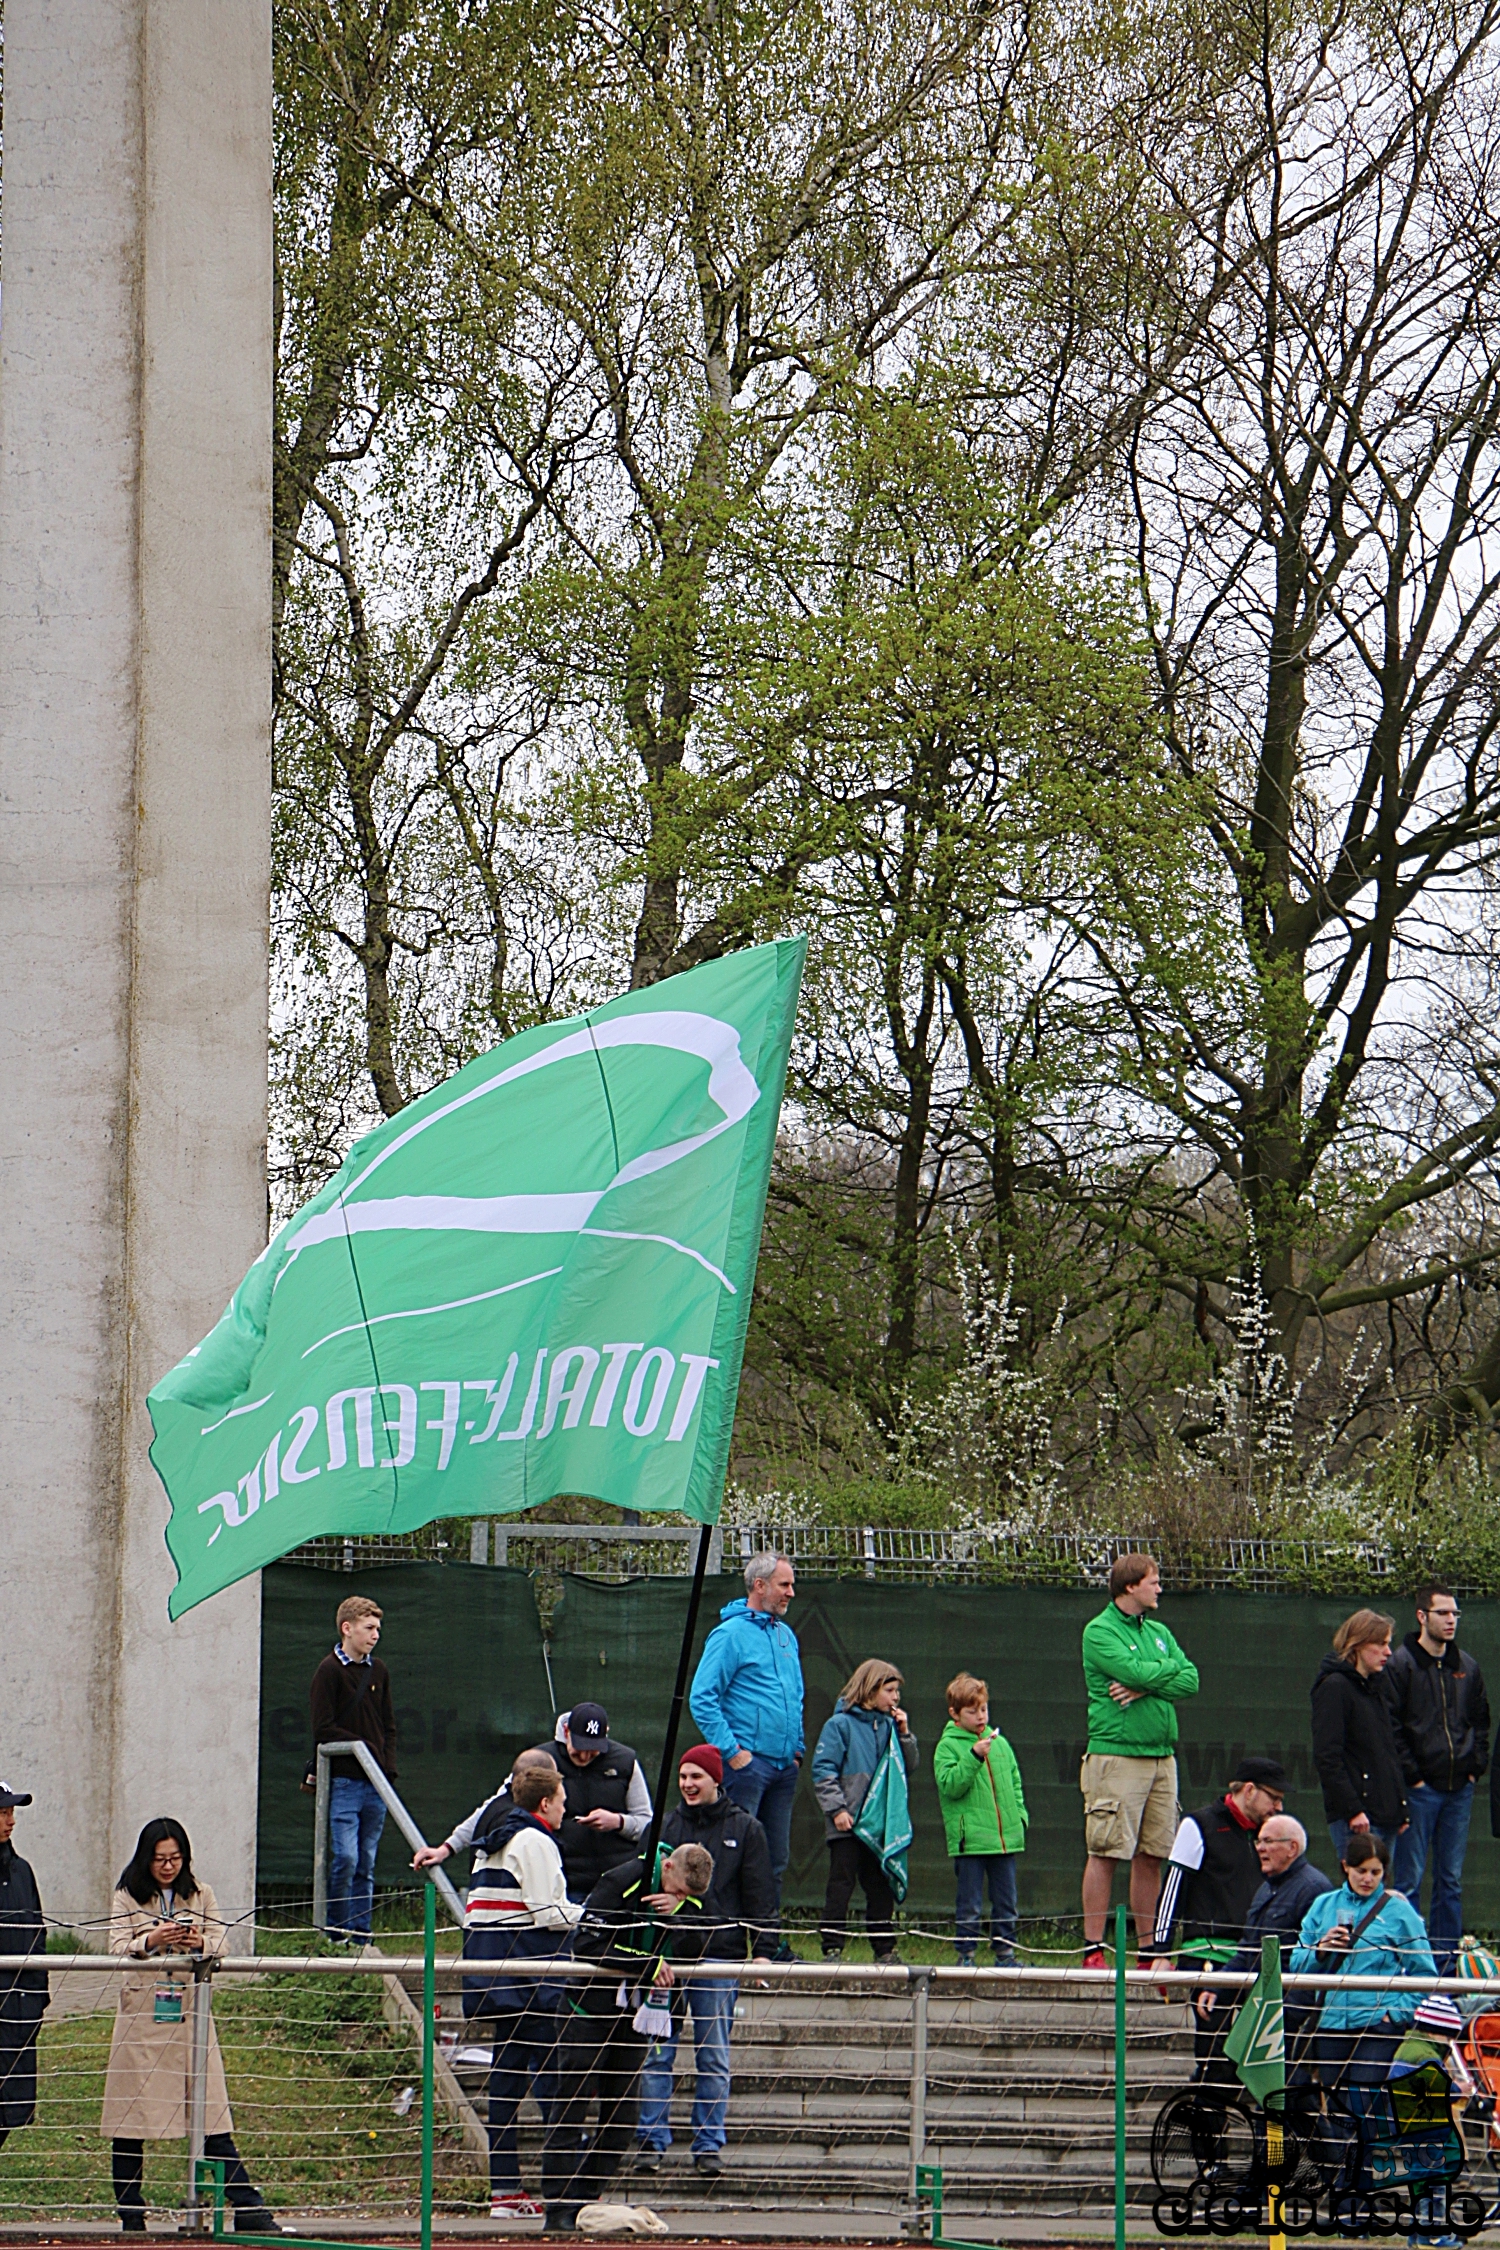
{"x":533,"y":1281}
{"x":1256,"y":2045}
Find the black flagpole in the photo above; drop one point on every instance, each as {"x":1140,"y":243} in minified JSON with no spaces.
{"x":679,"y":1696}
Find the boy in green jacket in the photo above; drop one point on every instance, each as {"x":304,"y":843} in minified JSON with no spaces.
{"x":984,"y":1817}
{"x":1136,"y":1676}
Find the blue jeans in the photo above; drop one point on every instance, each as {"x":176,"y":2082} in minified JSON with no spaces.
{"x":1440,"y":1829}
{"x":970,"y":1872}
{"x":356,"y":1815}
{"x":712,"y":2004}
{"x":525,"y":2054}
{"x":1340,"y":1831}
{"x":766,"y":1791}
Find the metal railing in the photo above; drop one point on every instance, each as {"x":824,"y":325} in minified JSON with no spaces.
{"x":910,"y":2094}
{"x":895,"y":1554}
{"x":322,"y":1809}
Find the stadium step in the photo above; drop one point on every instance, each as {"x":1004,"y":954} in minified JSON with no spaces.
{"x":1019,"y":2104}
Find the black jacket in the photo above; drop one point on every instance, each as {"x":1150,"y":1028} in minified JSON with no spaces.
{"x":1210,"y":1877}
{"x":1442,"y":1714}
{"x":628,"y":1940}
{"x":23,"y":1992}
{"x":352,"y":1703}
{"x":603,"y":1785}
{"x":1278,"y":1908}
{"x":741,"y":1901}
{"x":1354,"y":1745}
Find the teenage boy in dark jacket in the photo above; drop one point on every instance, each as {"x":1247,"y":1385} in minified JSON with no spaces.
{"x":634,"y":1935}
{"x":1354,"y":1734}
{"x":1443,"y":1726}
{"x":351,"y":1702}
{"x":739,"y":1912}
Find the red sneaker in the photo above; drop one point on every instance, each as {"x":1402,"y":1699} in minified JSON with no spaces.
{"x":1093,"y":1957}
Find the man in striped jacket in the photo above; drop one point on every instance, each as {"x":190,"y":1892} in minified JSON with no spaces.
{"x":518,"y":1913}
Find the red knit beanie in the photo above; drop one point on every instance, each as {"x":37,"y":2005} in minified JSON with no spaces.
{"x":708,"y":1758}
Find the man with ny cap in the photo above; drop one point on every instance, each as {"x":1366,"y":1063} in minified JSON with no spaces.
{"x":1212,"y":1874}
{"x":609,"y":1805}
{"x":23,"y":1992}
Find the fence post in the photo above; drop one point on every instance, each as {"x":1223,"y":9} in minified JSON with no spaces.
{"x":429,"y":2004}
{"x":198,"y":2088}
{"x":320,"y":1841}
{"x":921,"y":1985}
{"x":1120,"y":1939}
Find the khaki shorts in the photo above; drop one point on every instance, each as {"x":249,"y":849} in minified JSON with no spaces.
{"x":1129,"y":1806}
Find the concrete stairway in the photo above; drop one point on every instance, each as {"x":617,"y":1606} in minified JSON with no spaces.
{"x":1019,"y":2107}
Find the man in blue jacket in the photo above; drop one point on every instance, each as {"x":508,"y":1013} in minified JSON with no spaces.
{"x":747,"y":1698}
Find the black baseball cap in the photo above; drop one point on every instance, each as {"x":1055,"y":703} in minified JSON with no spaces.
{"x":588,"y":1722}
{"x":1266,"y":1772}
{"x":9,"y":1796}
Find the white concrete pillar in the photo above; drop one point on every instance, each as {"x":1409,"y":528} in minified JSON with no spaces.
{"x":135,"y":457}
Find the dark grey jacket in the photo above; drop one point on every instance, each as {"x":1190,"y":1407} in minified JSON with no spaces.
{"x":849,"y":1749}
{"x":1277,"y":1910}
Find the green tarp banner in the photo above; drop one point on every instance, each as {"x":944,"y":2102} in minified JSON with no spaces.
{"x":533,"y":1281}
{"x":466,"y":1653}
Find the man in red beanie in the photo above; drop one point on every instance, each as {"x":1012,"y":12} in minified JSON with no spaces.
{"x":741,"y":1906}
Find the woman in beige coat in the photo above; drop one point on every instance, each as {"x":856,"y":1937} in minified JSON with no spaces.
{"x":162,"y":1914}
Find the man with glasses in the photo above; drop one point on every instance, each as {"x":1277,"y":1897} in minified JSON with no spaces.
{"x":1442,"y":1719}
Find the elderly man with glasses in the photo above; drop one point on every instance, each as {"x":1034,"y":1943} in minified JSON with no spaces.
{"x":1289,"y":1884}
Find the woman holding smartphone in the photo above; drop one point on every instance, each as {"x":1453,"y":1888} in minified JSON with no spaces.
{"x":165,"y":1917}
{"x":1362,"y":1929}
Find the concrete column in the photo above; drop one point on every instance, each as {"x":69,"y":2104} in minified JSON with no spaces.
{"x":135,"y":454}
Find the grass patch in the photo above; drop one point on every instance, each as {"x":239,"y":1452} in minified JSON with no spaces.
{"x":315,"y":2075}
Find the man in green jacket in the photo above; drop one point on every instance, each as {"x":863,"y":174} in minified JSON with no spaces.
{"x":1136,"y":1675}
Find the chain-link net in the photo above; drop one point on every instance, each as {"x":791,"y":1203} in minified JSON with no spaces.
{"x":843,"y":2079}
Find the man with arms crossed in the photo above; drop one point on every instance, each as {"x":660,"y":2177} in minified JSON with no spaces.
{"x":1136,"y":1675}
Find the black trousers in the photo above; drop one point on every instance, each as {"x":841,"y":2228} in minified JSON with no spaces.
{"x":597,"y":2057}
{"x":127,"y":2164}
{"x":851,"y":1862}
{"x":524,"y":2052}
{"x":1214,"y":2066}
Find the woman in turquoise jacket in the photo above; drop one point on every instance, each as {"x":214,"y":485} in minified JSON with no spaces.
{"x":1359,"y":2032}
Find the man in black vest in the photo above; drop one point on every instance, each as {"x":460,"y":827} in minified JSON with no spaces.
{"x":1211,"y":1876}
{"x":23,"y":1992}
{"x":609,"y":1805}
